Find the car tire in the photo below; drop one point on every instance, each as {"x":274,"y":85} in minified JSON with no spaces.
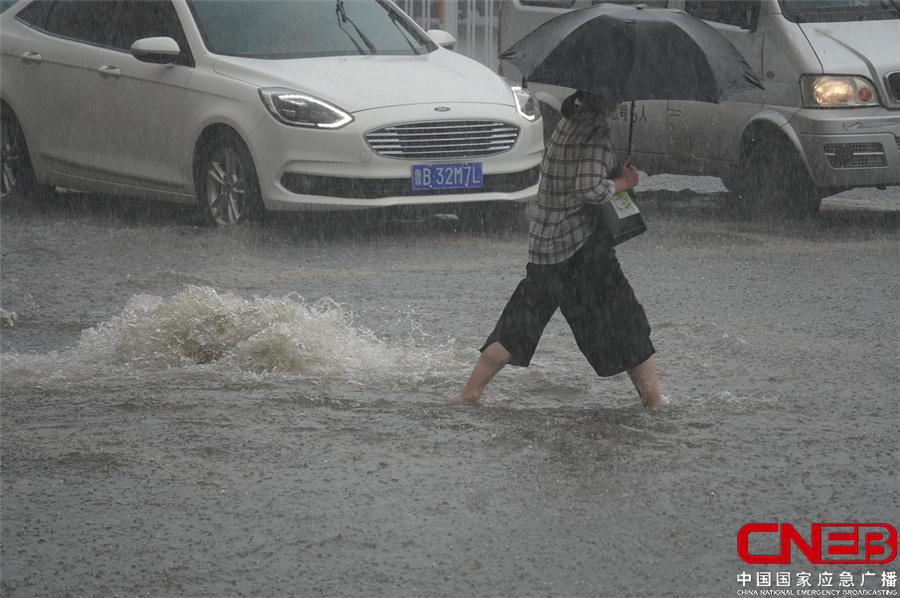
{"x":227,"y":184}
{"x":773,"y":182}
{"x":16,"y":173}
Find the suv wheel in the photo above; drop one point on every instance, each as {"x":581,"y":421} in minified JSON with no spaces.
{"x":774,"y":182}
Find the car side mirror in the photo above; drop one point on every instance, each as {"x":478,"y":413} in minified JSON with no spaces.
{"x":442,"y":38}
{"x":156,"y":50}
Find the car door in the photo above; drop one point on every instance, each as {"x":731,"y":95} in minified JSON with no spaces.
{"x":56,"y":72}
{"x":706,"y":136}
{"x":138,"y":137}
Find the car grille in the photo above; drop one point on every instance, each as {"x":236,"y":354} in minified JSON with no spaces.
{"x":856,"y":155}
{"x":893,"y":83}
{"x":442,"y":140}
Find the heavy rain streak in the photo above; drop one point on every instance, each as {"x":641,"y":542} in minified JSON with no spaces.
{"x":262,"y":410}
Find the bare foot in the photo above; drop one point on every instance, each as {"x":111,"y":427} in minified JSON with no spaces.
{"x":657,"y":401}
{"x":461,"y":399}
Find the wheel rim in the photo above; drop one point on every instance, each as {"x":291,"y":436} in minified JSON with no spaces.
{"x":9,"y":160}
{"x":226,"y":185}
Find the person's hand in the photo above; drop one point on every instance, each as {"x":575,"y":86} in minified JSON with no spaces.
{"x":628,"y":176}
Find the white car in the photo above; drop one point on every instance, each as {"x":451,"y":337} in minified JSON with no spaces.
{"x":251,"y":105}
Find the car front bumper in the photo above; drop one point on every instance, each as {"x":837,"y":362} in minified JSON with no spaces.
{"x":311,"y":169}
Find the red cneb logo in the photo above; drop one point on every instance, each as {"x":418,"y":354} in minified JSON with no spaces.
{"x":828,"y":542}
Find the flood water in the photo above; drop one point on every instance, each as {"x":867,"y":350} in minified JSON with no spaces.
{"x":262,"y":411}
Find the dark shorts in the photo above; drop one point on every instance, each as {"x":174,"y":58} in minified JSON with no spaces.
{"x":594,"y":296}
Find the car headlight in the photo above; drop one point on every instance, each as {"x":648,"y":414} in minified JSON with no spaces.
{"x":302,"y":110}
{"x":831,"y":91}
{"x":526,"y":103}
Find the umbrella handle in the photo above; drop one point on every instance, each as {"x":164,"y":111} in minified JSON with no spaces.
{"x":630,"y":127}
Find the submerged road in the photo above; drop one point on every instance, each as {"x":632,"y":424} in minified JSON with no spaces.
{"x":261,"y":411}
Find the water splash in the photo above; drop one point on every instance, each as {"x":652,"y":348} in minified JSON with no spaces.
{"x":200,"y":328}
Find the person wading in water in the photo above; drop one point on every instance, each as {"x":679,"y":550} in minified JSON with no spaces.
{"x":572,"y":264}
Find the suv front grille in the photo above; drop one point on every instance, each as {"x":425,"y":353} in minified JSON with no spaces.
{"x":443,"y":140}
{"x":893,"y":85}
{"x":856,"y":155}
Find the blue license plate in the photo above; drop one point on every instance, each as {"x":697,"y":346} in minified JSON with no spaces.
{"x":462,"y":175}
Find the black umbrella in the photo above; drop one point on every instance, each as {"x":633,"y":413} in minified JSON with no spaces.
{"x":633,"y":53}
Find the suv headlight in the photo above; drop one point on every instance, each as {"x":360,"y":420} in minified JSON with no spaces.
{"x":302,"y":110}
{"x":526,"y":103}
{"x":832,"y":91}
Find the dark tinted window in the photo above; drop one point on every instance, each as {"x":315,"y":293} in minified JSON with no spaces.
{"x":834,"y":11}
{"x":85,"y":20}
{"x":652,"y":3}
{"x":137,"y":19}
{"x":549,"y":3}
{"x":35,"y":13}
{"x":109,"y":23}
{"x":740,"y":13}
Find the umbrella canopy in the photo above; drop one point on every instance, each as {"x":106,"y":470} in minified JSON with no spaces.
{"x":633,"y":53}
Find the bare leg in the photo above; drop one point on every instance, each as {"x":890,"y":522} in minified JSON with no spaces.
{"x":646,"y":383}
{"x":491,"y":361}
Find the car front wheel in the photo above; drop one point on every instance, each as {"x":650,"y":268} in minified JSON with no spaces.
{"x":774,"y":181}
{"x":228,"y":188}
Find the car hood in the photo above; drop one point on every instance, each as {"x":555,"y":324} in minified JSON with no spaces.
{"x":859,"y":47}
{"x":357,"y":83}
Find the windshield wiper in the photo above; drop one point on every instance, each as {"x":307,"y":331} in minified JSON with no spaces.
{"x":343,"y":18}
{"x":404,"y":33}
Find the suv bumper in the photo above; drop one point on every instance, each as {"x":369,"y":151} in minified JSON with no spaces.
{"x":846,"y":148}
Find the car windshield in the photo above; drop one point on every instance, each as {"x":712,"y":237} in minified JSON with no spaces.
{"x":834,"y":11}
{"x":276,"y":29}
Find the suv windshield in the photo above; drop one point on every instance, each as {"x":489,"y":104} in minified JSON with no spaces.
{"x":833,"y":11}
{"x":276,"y":29}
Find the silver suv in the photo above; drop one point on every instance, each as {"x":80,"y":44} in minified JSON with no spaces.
{"x":828,"y":119}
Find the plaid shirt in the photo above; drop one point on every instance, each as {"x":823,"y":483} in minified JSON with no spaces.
{"x":576,"y":164}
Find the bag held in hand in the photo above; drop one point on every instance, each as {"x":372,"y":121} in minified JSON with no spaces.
{"x":621,"y":217}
